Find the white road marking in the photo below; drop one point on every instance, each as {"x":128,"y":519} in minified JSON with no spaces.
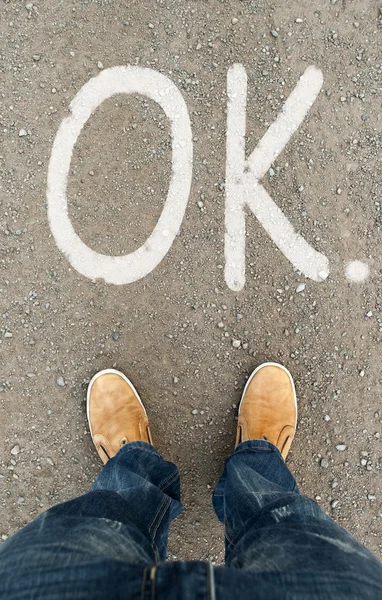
{"x":131,"y":267}
{"x":243,"y":176}
{"x":357,"y":271}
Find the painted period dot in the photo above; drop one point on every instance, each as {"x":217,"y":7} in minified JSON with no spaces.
{"x":357,"y":271}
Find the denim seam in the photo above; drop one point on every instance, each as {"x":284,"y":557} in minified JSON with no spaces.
{"x":168,"y":481}
{"x":158,"y":516}
{"x":161,"y":517}
{"x":229,"y":538}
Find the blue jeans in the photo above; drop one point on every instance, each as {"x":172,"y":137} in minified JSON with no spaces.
{"x":111,"y":542}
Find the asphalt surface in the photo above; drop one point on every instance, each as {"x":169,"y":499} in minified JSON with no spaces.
{"x":186,"y":340}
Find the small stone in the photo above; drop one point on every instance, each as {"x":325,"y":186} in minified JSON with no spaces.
{"x":20,"y":500}
{"x":15,"y":450}
{"x":100,"y":65}
{"x":151,"y":26}
{"x":369,"y":313}
{"x":234,"y":21}
{"x":327,"y":418}
{"x":175,"y":379}
{"x":274,"y":33}
{"x":339,"y":191}
{"x":36,"y":57}
{"x":323,"y":274}
{"x":195,"y":411}
{"x":271,"y":172}
{"x":50,"y":462}
{"x":356,"y":25}
{"x":221,"y":325}
{"x":324,"y":463}
{"x":300,"y":288}
{"x":115,"y":335}
{"x":363,"y":462}
{"x":341,"y":447}
{"x":60,"y":381}
{"x":8,"y":334}
{"x":299,"y":20}
{"x":371,"y":497}
{"x":236,"y":343}
{"x":362,"y":373}
{"x":335,"y":503}
{"x":200,"y":204}
{"x":334,"y":484}
{"x":22,"y":133}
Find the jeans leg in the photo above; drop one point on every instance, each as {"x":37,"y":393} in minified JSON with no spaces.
{"x":125,"y":518}
{"x":271,"y":527}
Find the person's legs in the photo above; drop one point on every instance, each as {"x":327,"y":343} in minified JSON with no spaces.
{"x":270,"y":527}
{"x":75,"y":549}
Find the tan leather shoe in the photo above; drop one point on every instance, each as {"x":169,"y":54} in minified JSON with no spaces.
{"x":115,"y":412}
{"x":268,"y":407}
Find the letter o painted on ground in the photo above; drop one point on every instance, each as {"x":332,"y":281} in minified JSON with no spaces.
{"x":121,"y":270}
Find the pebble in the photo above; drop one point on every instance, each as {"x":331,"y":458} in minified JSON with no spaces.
{"x":362,"y":373}
{"x":15,"y":450}
{"x":369,"y":313}
{"x":324,"y":463}
{"x":22,"y":133}
{"x":115,"y":335}
{"x":234,"y":21}
{"x":335,"y":503}
{"x":236,"y":343}
{"x":60,"y":381}
{"x":151,"y":26}
{"x":36,"y":57}
{"x":8,"y":334}
{"x":50,"y":462}
{"x":274,"y":33}
{"x":20,"y":500}
{"x":371,"y":497}
{"x":341,"y":447}
{"x":339,"y":191}
{"x":195,"y":411}
{"x":100,"y":65}
{"x":299,"y":20}
{"x":300,"y":288}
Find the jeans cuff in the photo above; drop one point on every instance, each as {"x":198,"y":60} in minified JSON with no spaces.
{"x":139,"y":445}
{"x":257,"y":445}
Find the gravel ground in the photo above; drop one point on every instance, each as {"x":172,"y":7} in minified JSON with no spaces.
{"x":176,"y":332}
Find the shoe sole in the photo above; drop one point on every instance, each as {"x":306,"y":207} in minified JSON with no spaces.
{"x":105,"y":372}
{"x":271,"y":364}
